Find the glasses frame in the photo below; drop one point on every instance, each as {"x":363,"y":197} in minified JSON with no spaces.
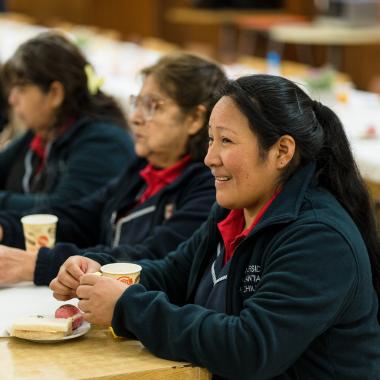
{"x":147,"y":104}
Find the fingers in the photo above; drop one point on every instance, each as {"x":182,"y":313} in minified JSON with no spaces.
{"x":60,"y":297}
{"x":89,"y":279}
{"x":61,"y":291}
{"x":85,"y":305}
{"x":84,"y":292}
{"x":73,"y":267}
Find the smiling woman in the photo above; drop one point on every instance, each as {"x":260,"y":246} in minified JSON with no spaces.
{"x":72,"y":133}
{"x":286,"y":269}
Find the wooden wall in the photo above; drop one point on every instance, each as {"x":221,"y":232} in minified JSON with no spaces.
{"x":130,"y":17}
{"x":143,"y":18}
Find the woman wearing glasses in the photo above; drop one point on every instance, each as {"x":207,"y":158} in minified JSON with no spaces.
{"x":73,"y":129}
{"x":160,"y":200}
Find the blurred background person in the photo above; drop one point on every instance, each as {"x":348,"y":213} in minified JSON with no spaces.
{"x":4,"y":109}
{"x":76,"y":137}
{"x":10,"y":128}
{"x":158,"y":202}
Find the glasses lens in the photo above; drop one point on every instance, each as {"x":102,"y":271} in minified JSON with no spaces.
{"x":146,"y":105}
{"x":132,"y":104}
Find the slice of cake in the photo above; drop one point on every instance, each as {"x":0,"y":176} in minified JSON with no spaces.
{"x":41,"y":328}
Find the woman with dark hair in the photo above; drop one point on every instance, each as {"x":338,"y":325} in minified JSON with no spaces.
{"x":158,"y":202}
{"x":74,"y":133}
{"x":282,"y":282}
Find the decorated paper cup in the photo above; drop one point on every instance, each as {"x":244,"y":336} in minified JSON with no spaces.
{"x":127,"y":273}
{"x":39,"y":231}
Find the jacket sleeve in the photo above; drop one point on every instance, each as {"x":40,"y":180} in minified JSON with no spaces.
{"x":192,"y":210}
{"x":300,"y":291}
{"x":93,"y":159}
{"x":7,"y":155}
{"x":78,"y":222}
{"x":79,"y":225}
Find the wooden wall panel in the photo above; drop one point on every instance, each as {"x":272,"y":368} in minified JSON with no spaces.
{"x":43,"y":10}
{"x":130,"y":17}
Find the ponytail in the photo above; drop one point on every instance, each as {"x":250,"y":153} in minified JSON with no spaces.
{"x":275,"y":106}
{"x":338,"y":172}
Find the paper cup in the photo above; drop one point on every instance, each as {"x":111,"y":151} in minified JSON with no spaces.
{"x":39,"y":231}
{"x":127,"y":273}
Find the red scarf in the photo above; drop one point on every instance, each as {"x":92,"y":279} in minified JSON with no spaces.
{"x":38,"y":144}
{"x":157,"y":179}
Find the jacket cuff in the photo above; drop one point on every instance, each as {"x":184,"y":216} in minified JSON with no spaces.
{"x":119,"y":319}
{"x":41,"y":272}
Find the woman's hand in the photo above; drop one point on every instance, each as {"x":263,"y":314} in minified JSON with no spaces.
{"x":98,"y":296}
{"x":16,"y":265}
{"x":64,"y":286}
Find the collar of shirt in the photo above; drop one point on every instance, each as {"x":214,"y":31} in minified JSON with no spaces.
{"x":157,"y":179}
{"x":232,"y":228}
{"x":38,"y":144}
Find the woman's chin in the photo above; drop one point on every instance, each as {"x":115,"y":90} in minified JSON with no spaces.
{"x":141,"y":151}
{"x":225,"y":203}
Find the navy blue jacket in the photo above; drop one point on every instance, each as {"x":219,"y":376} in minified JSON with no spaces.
{"x":80,"y":161}
{"x":300,"y":303}
{"x":153,"y":228}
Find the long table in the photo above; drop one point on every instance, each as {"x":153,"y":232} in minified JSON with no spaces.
{"x":96,"y":355}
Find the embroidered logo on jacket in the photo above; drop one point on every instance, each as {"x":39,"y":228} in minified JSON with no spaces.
{"x":252,"y":276}
{"x":169,"y":211}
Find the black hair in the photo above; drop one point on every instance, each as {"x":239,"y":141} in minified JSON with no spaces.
{"x":275,"y":106}
{"x":50,"y":57}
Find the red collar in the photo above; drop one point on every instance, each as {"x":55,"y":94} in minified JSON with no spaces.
{"x":232,"y":228}
{"x":157,"y":179}
{"x":38,"y":144}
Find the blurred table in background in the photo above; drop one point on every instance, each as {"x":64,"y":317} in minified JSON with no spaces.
{"x":332,"y":36}
{"x":251,"y":27}
{"x":226,"y":19}
{"x":120,"y":62}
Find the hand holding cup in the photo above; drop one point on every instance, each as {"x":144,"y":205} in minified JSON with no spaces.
{"x":100,"y":291}
{"x":64,"y":286}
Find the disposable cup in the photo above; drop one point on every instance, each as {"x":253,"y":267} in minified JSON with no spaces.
{"x":127,"y":273}
{"x":39,"y":231}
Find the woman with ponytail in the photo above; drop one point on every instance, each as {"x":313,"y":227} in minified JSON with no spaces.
{"x":282,"y":281}
{"x":76,"y":138}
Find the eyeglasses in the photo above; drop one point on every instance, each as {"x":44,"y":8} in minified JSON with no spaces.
{"x":147,"y":105}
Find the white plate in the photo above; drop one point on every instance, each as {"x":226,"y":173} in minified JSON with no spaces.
{"x":81,"y":330}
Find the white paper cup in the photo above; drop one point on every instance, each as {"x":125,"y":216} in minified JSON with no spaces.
{"x":128,"y":273}
{"x":39,"y":231}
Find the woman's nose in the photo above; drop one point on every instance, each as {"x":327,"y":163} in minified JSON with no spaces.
{"x":212,"y":158}
{"x":12,"y":97}
{"x":136,"y":115}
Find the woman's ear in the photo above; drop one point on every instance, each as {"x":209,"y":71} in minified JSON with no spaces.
{"x":286,"y":148}
{"x":197,"y":120}
{"x":56,"y":94}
